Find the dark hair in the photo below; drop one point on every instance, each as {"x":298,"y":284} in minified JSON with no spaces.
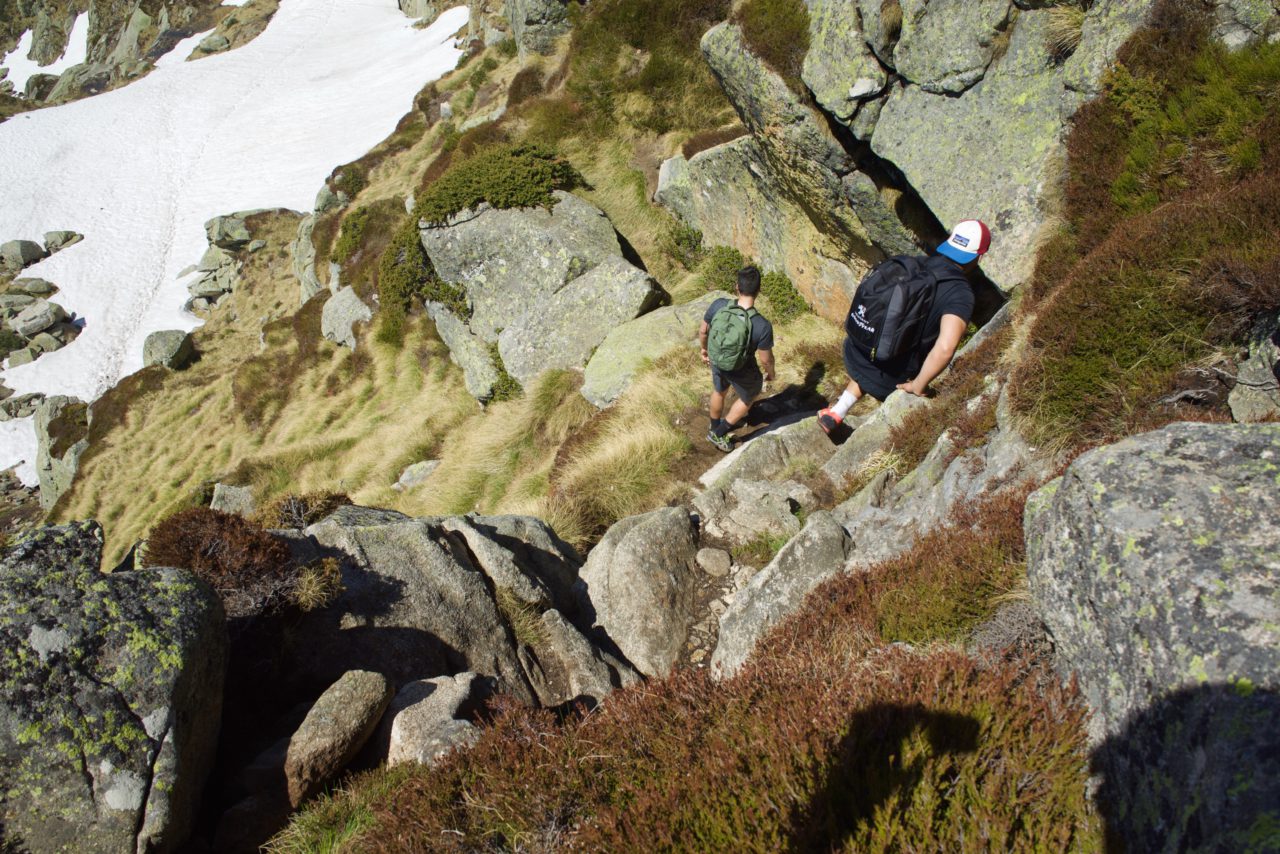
{"x":748,"y":281}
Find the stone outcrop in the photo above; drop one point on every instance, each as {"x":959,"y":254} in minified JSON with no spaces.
{"x":547,"y":286}
{"x":563,"y":330}
{"x":17,"y":254}
{"x":536,"y":24}
{"x":629,"y":345}
{"x":233,"y":499}
{"x":1153,"y":564}
{"x":62,"y":430}
{"x":1256,"y":395}
{"x":820,"y":551}
{"x":640,"y":581}
{"x":466,"y":351}
{"x":335,"y":729}
{"x":428,"y":718}
{"x":341,"y":313}
{"x":415,"y":475}
{"x":747,"y":510}
{"x":172,"y":348}
{"x":433,"y":597}
{"x":110,"y":697}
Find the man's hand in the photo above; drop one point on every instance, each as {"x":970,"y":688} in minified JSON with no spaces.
{"x":706,"y":359}
{"x":914,"y":387}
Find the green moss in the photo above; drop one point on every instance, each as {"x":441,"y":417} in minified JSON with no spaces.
{"x":507,"y":387}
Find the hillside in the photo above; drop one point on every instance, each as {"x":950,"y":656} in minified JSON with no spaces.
{"x":474,"y":577}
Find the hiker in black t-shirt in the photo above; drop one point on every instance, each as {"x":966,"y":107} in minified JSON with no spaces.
{"x":747,"y":379}
{"x":948,"y":317}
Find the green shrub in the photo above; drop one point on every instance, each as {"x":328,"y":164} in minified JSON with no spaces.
{"x":520,"y":175}
{"x":10,"y":341}
{"x":719,"y":269}
{"x":350,"y":234}
{"x":782,"y":301}
{"x":777,"y":31}
{"x":507,"y":48}
{"x":349,"y":179}
{"x":684,"y":243}
{"x":406,"y":275}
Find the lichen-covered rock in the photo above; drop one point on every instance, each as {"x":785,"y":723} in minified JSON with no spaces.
{"x":172,"y":348}
{"x":946,"y":45}
{"x":233,"y":499}
{"x":840,"y":68}
{"x":427,"y":597}
{"x":466,"y":351}
{"x":536,"y":23}
{"x":333,"y":732}
{"x":303,"y":252}
{"x":1015,"y":115}
{"x":17,"y":254}
{"x":509,"y":260}
{"x":62,"y":435}
{"x":564,"y":329}
{"x":1154,"y":565}
{"x":819,"y":552}
{"x":747,"y":510}
{"x":1256,"y":396}
{"x":227,"y":232}
{"x":341,"y":313}
{"x":428,"y":718}
{"x":56,"y":241}
{"x":110,"y":696}
{"x":629,"y":345}
{"x":641,"y":582}
{"x":37,"y":317}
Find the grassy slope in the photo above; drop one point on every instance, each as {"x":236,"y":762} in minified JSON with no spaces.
{"x":830,"y":739}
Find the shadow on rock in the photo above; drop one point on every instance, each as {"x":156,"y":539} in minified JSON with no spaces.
{"x":1196,"y":771}
{"x":874,"y":763}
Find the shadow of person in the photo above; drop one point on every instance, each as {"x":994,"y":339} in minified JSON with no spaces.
{"x":792,"y":400}
{"x":883,"y":755}
{"x":1195,"y":771}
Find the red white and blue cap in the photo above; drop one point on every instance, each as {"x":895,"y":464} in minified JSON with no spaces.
{"x":969,"y":240}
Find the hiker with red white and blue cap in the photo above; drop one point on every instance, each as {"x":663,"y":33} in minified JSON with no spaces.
{"x":907,"y":318}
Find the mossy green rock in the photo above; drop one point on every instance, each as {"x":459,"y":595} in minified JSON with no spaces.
{"x":947,"y":45}
{"x":1155,"y":568}
{"x":840,"y":68}
{"x":630,"y":345}
{"x":110,"y":697}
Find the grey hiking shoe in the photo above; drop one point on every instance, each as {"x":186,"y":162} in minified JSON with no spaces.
{"x":722,"y":443}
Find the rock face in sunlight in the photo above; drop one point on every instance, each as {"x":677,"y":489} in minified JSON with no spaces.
{"x":1154,"y":566}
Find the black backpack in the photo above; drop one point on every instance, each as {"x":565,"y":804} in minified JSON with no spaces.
{"x":891,"y":307}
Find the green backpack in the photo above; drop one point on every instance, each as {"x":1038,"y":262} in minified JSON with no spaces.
{"x":729,"y":338}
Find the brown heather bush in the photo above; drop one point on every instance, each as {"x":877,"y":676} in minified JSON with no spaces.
{"x":251,"y":569}
{"x":526,"y":85}
{"x":827,"y":740}
{"x":707,"y":139}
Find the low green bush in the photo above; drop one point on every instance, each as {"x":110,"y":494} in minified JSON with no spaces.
{"x":406,"y":275}
{"x":782,"y":302}
{"x":349,"y":179}
{"x":507,"y":387}
{"x":719,"y":269}
{"x":520,"y":175}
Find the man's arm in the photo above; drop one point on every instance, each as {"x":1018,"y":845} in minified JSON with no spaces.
{"x":702,"y":340}
{"x":939,"y":357}
{"x":766,"y":363}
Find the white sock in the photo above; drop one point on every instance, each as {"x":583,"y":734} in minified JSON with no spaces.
{"x":844,"y":404}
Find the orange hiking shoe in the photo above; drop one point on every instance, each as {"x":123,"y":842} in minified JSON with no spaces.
{"x":828,"y":420}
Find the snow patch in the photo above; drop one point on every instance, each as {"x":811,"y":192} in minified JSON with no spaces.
{"x":21,"y":68}
{"x":139,"y":170}
{"x":182,"y":51}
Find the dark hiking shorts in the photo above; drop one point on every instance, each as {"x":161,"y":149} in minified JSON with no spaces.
{"x":871,"y":378}
{"x":745,"y":381}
